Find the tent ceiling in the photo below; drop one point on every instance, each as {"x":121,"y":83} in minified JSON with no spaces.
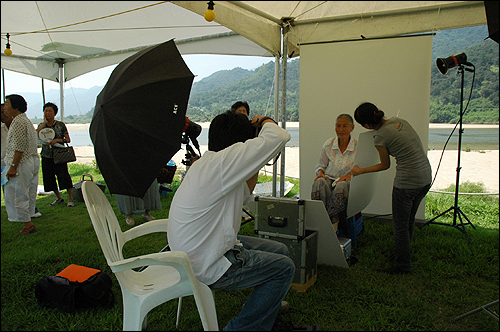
{"x":323,"y":21}
{"x":89,"y":35}
{"x":93,"y":34}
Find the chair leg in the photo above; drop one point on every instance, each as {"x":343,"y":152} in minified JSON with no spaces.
{"x":178,"y":312}
{"x":206,"y":309}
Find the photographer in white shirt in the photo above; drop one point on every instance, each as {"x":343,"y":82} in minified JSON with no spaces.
{"x":205,"y":218}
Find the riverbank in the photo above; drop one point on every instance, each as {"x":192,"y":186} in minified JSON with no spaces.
{"x":476,"y":166}
{"x":86,"y":126}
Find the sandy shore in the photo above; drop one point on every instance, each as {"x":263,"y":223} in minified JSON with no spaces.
{"x":475,"y":166}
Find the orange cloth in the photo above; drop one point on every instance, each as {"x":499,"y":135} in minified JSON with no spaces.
{"x":77,"y":273}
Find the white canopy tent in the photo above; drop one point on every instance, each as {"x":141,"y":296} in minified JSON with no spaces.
{"x":60,"y":40}
{"x":87,"y":35}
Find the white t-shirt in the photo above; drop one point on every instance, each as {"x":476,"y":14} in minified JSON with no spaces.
{"x":205,"y":214}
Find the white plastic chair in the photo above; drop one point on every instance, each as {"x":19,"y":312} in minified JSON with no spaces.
{"x":168,"y":275}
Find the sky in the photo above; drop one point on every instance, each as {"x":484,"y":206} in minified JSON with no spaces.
{"x":200,"y":65}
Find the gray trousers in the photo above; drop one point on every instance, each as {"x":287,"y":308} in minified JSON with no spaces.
{"x":334,"y":199}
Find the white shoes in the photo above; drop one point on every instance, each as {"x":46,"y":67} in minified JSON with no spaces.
{"x":57,"y":201}
{"x":37,"y":214}
{"x":129,"y":219}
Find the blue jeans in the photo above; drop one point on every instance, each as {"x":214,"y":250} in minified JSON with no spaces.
{"x":405,"y":203}
{"x":264,"y":265}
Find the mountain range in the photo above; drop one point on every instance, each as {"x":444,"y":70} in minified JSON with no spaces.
{"x":217,"y":92}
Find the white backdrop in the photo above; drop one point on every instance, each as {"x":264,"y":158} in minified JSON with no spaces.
{"x":392,"y":73}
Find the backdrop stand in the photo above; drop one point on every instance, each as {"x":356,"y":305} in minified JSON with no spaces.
{"x":457,"y":212}
{"x":484,"y":307}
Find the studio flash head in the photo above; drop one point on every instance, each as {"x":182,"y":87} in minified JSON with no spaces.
{"x":451,"y":62}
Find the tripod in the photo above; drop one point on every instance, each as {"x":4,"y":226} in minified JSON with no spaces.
{"x":190,"y":153}
{"x":457,"y":212}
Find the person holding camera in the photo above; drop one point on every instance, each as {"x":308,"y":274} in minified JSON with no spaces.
{"x":396,"y":137}
{"x":205,"y":218}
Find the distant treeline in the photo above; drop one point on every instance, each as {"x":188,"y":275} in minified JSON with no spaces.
{"x":256,"y":89}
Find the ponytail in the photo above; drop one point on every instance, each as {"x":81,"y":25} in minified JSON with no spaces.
{"x":368,"y":113}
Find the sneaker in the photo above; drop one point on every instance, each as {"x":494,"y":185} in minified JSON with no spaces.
{"x":164,"y":187}
{"x":130,"y":220}
{"x":37,"y":213}
{"x":71,"y":204}
{"x":284,"y":306}
{"x":148,"y":217}
{"x":57,"y":201}
{"x":28,"y":230}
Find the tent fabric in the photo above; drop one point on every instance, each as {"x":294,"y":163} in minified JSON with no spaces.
{"x":88,"y":35}
{"x":321,"y":21}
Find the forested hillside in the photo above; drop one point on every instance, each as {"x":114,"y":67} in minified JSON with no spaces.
{"x":222,"y":89}
{"x":445,"y":89}
{"x":257,"y":89}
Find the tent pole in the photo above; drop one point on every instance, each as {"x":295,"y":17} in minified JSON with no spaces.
{"x":61,"y":87}
{"x":283,"y":105}
{"x":43,"y":92}
{"x":276,"y":112}
{"x":3,"y":85}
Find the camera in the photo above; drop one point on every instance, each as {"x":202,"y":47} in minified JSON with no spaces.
{"x":191,"y":131}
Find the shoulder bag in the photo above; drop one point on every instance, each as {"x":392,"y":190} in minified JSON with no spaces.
{"x":64,"y":155}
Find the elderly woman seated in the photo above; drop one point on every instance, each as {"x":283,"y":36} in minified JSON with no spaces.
{"x":333,"y":171}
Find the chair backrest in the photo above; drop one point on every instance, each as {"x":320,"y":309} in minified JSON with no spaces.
{"x":104,"y":220}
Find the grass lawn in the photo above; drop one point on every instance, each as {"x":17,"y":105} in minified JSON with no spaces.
{"x":450,"y":277}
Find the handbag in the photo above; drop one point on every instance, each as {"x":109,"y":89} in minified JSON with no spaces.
{"x":64,"y":155}
{"x":77,"y":187}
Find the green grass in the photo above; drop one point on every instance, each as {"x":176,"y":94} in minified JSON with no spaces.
{"x":449,"y":276}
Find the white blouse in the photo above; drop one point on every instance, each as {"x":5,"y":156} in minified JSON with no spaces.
{"x":333,"y":162}
{"x":22,"y":137}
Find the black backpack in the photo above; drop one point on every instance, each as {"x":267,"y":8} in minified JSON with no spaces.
{"x":68,"y":296}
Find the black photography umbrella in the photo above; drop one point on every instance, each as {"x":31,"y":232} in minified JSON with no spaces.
{"x":139,"y":118}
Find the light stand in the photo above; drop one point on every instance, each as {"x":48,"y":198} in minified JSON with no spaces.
{"x":443,"y":66}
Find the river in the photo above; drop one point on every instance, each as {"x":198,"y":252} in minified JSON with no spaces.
{"x":473,"y":138}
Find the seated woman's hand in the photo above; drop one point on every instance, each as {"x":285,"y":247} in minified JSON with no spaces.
{"x":320,"y":175}
{"x":346,"y":178}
